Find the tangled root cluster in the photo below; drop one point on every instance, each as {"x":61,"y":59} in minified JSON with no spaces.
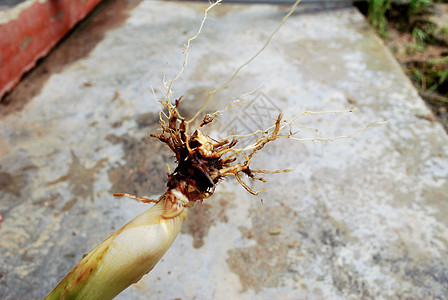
{"x":201,"y":161}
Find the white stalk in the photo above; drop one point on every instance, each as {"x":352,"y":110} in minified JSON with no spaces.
{"x":125,"y":256}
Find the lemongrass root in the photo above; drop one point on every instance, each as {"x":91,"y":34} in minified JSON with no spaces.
{"x":142,"y":199}
{"x":223,"y":86}
{"x":169,"y":84}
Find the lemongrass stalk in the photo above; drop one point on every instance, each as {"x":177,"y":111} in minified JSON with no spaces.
{"x":127,"y":255}
{"x":135,"y":249}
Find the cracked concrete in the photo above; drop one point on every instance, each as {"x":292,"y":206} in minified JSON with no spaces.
{"x":358,"y":218}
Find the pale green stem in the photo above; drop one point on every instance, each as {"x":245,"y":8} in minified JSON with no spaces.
{"x":124,"y":257}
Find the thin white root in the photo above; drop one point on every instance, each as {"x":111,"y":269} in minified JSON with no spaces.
{"x":207,"y":99}
{"x":290,"y":123}
{"x":338,"y":137}
{"x":187,"y":47}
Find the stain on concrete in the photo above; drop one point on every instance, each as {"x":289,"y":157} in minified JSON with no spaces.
{"x":202,"y":216}
{"x":49,"y":201}
{"x":194,"y":98}
{"x":80,"y":178}
{"x":11,"y":183}
{"x":77,"y":45}
{"x":316,"y":237}
{"x":67,"y":206}
{"x":14,"y":187}
{"x":266,"y":263}
{"x":144,"y":170}
{"x":428,"y":276}
{"x":327,"y":238}
{"x":148,"y":120}
{"x":113,"y":139}
{"x":437,"y":198}
{"x":282,"y":244}
{"x":27,"y":258}
{"x":351,"y":280}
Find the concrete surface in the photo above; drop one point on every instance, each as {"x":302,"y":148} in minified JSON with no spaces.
{"x":359,"y":218}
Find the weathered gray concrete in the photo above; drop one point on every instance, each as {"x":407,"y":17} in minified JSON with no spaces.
{"x":358,"y":218}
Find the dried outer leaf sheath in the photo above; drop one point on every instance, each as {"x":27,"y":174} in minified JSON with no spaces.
{"x":125,"y":256}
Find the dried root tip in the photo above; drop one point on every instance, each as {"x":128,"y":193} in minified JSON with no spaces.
{"x":208,"y":119}
{"x":174,"y":199}
{"x":144,"y":200}
{"x":244,"y":185}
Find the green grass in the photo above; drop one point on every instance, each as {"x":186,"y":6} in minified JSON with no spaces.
{"x":413,"y":16}
{"x":377,"y":15}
